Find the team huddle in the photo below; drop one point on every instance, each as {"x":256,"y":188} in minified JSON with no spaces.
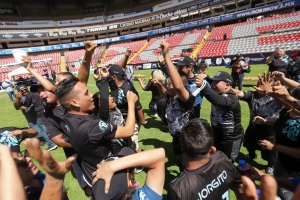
{"x":99,"y":132}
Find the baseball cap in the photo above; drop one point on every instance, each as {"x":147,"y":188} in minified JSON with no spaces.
{"x":185,"y":61}
{"x":21,"y":86}
{"x":119,"y":181}
{"x":222,"y":76}
{"x":34,"y":87}
{"x":116,"y":70}
{"x":238,"y":54}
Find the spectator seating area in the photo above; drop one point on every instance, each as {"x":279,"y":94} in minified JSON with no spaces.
{"x":74,"y":57}
{"x":115,"y":52}
{"x":177,"y":43}
{"x":40,"y":67}
{"x":262,"y":35}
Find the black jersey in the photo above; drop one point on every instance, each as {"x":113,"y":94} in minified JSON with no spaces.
{"x":225,"y":115}
{"x":210,"y":182}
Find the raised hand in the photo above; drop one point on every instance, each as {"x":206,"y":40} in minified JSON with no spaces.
{"x":19,"y":95}
{"x":104,"y":72}
{"x":165,"y":48}
{"x":128,"y":52}
{"x":105,"y":173}
{"x":131,"y":97}
{"x":278,"y":75}
{"x":89,"y":47}
{"x":199,"y":79}
{"x":48,"y":163}
{"x":27,"y":59}
{"x":264,"y":83}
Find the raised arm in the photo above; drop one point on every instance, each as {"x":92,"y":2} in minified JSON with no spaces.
{"x":30,"y":132}
{"x":176,"y":80}
{"x":84,"y":70}
{"x":239,"y":93}
{"x":11,"y":186}
{"x":103,"y":111}
{"x":153,"y":159}
{"x":269,"y":60}
{"x":17,"y":102}
{"x":162,"y":90}
{"x":55,"y":171}
{"x":141,"y":84}
{"x":44,"y":82}
{"x":128,"y":129}
{"x":124,"y":60}
{"x":291,"y":84}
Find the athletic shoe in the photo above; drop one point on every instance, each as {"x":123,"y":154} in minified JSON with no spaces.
{"x":138,"y":170}
{"x":52,"y":148}
{"x":248,"y":157}
{"x":270,"y":171}
{"x":156,"y":115}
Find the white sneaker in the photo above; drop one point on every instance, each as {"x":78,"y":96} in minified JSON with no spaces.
{"x":156,"y":115}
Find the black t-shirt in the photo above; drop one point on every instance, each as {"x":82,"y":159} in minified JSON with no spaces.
{"x":52,"y":119}
{"x":29,"y":112}
{"x":156,"y":96}
{"x":35,"y":99}
{"x":210,"y":182}
{"x":121,"y":98}
{"x":179,"y":113}
{"x":90,"y":137}
{"x":287,"y":133}
{"x":280,"y":65}
{"x":266,"y":107}
{"x":225,"y":115}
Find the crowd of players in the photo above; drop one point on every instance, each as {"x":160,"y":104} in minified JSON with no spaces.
{"x":99,"y":133}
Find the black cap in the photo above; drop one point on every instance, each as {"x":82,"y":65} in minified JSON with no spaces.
{"x":222,"y":76}
{"x":119,"y":181}
{"x":238,"y":54}
{"x":185,"y":61}
{"x":34,"y":87}
{"x":21,"y":86}
{"x":116,"y":70}
{"x":190,"y":50}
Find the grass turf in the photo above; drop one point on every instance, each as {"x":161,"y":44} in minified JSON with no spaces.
{"x":150,"y":135}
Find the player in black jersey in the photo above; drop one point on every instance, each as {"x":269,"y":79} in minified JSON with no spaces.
{"x":209,"y":173}
{"x":225,"y":113}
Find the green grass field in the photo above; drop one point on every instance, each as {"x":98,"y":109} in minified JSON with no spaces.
{"x":150,"y":135}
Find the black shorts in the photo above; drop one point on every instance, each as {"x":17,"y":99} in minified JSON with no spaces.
{"x":230,"y":148}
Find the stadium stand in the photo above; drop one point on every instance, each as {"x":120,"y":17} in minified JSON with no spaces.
{"x":115,"y":52}
{"x":177,"y":43}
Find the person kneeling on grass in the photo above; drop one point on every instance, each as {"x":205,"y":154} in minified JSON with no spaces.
{"x":115,"y":179}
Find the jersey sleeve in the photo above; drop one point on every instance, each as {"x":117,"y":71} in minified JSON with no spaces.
{"x":247,"y":96}
{"x":189,"y":103}
{"x":98,"y":129}
{"x":52,"y":130}
{"x":148,"y":87}
{"x":171,"y":194}
{"x":225,"y":100}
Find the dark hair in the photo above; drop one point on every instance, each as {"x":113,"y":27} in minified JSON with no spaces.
{"x":197,"y":138}
{"x":183,"y":77}
{"x":66,"y":74}
{"x":63,"y":90}
{"x":130,"y":190}
{"x":296,"y":93}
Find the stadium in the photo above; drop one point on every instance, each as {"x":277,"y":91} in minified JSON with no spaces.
{"x":53,"y":34}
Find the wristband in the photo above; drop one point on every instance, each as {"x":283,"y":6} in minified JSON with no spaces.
{"x":85,"y":61}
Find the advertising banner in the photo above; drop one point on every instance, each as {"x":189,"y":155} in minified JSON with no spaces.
{"x":8,"y":36}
